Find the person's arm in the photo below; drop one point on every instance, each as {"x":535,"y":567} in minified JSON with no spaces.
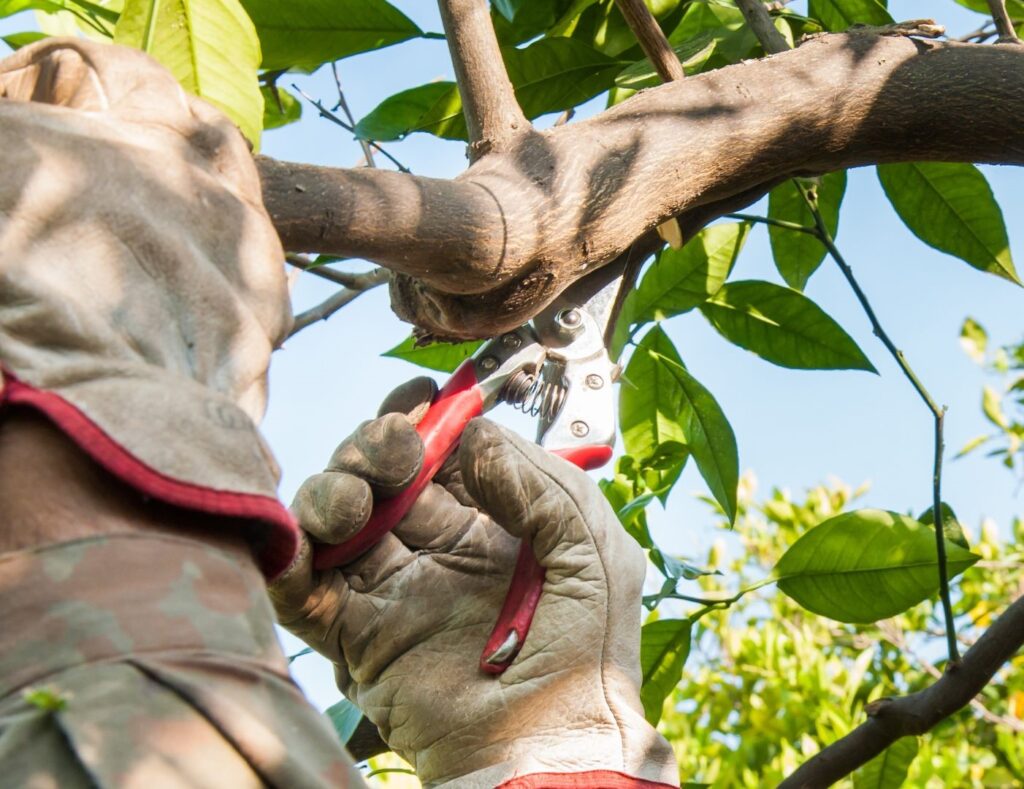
{"x":141,"y":293}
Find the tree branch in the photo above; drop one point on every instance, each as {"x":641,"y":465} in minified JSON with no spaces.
{"x":652,"y":39}
{"x":761,"y":26}
{"x":493,"y":116}
{"x":490,"y":248}
{"x":359,"y":284}
{"x":1004,"y":26}
{"x":890,"y":719}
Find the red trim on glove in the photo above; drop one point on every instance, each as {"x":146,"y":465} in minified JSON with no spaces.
{"x":594,"y":779}
{"x":274,"y":554}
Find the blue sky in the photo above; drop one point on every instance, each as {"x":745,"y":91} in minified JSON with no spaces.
{"x":794,"y":428}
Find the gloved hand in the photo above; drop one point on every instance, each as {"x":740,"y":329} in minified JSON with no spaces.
{"x":405,"y":624}
{"x":141,"y":281}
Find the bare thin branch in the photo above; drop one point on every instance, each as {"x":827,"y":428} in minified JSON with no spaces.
{"x":652,"y":39}
{"x":343,"y":106}
{"x":761,"y":26}
{"x":892,"y":718}
{"x":1004,"y":25}
{"x":327,"y":114}
{"x":493,"y":116}
{"x":360,"y":283}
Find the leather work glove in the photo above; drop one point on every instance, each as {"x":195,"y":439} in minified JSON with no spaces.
{"x":141,"y":282}
{"x":405,"y":624}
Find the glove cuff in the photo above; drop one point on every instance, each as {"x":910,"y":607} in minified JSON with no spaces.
{"x":275,"y":533}
{"x":592,"y":779}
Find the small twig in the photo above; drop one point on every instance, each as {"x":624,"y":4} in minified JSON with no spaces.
{"x":767,"y":220}
{"x":892,"y":718}
{"x":983,"y":33}
{"x":938,"y":413}
{"x":1004,"y":26}
{"x":343,"y":106}
{"x":343,"y":278}
{"x":493,"y":116}
{"x":325,"y":309}
{"x":326,"y":113}
{"x":762,"y":27}
{"x":652,"y":39}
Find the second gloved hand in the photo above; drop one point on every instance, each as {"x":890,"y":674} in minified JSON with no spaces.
{"x":405,"y":624}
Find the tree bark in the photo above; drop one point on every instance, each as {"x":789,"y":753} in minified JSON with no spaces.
{"x":483,"y":252}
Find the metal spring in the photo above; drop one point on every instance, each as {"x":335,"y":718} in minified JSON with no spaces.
{"x":532,"y":396}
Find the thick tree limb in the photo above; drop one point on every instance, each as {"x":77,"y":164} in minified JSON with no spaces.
{"x":652,"y":39}
{"x":487,"y":250}
{"x":493,"y":116}
{"x":761,"y":25}
{"x":890,"y":719}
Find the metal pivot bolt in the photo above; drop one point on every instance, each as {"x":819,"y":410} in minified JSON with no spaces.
{"x":488,"y":364}
{"x":511,"y":341}
{"x":594,"y":381}
{"x":579,"y":428}
{"x":569,"y":321}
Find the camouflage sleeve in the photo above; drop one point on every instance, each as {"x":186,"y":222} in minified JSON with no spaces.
{"x":170,"y":677}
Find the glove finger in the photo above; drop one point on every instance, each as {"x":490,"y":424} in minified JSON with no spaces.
{"x":386,"y":452}
{"x":413,"y":398}
{"x":435,"y":521}
{"x":333,"y":506}
{"x":536,"y":495}
{"x":378,"y":564}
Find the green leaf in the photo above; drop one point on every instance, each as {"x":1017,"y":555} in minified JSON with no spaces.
{"x":664,"y":647}
{"x":555,"y":74}
{"x":549,"y":75}
{"x":1014,"y":7}
{"x":866,"y":565}
{"x":782,"y":326}
{"x":889,"y":769}
{"x":972,"y":445}
{"x":305,"y":34}
{"x":682,"y":279}
{"x":210,"y":46}
{"x":663,"y":402}
{"x":974,"y":339}
{"x":693,"y":54}
{"x":837,"y":15}
{"x":798,"y":255}
{"x":18,"y":40}
{"x":45,"y":698}
{"x":725,"y":23}
{"x":952,"y":530}
{"x":442,"y":356}
{"x":279,"y":107}
{"x":650,"y":401}
{"x":991,"y":406}
{"x":344,"y":717}
{"x":950,"y":206}
{"x":435,"y":108}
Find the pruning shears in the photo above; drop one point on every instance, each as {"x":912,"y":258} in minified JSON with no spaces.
{"x":556,"y":368}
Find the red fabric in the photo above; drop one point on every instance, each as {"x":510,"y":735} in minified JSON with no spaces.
{"x":595,"y":779}
{"x":275,"y":552}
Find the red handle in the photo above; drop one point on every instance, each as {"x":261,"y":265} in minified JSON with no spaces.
{"x":455,"y":405}
{"x":513,"y":625}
